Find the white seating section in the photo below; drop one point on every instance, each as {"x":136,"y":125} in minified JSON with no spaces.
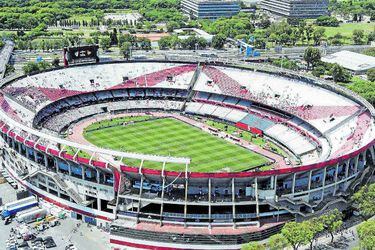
{"x":291,"y":139}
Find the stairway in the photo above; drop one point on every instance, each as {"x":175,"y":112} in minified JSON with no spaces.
{"x":193,"y":81}
{"x":63,"y":186}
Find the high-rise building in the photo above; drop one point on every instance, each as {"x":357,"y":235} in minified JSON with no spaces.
{"x":210,"y":9}
{"x":296,"y":8}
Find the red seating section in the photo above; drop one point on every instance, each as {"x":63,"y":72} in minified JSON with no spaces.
{"x":4,"y":105}
{"x":226,"y":84}
{"x":56,"y":94}
{"x":154,"y":78}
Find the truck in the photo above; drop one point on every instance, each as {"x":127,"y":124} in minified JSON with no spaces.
{"x":12,"y":208}
{"x":32,"y":216}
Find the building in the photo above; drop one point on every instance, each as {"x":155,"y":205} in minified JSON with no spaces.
{"x":198,"y":32}
{"x":159,"y":201}
{"x":296,"y":8}
{"x":130,"y":18}
{"x":210,"y":9}
{"x":355,"y":62}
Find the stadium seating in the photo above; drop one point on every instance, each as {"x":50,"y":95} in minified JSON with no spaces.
{"x":297,"y":143}
{"x":257,"y":122}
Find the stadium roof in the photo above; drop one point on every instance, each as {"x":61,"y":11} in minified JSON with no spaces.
{"x":352,"y":61}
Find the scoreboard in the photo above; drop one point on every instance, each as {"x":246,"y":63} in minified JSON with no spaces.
{"x":81,"y":54}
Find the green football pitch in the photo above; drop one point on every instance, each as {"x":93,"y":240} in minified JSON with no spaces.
{"x":171,"y":137}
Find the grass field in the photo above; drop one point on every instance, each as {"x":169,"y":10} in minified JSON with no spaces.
{"x":168,"y":136}
{"x":346,"y":29}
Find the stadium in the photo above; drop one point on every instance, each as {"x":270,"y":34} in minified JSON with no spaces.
{"x":185,"y":155}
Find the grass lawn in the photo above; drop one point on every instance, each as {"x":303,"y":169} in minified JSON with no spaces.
{"x":168,"y":136}
{"x":346,"y":29}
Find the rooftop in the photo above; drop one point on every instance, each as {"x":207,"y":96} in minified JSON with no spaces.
{"x":351,"y":60}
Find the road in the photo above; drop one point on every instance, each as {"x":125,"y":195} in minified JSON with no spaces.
{"x":5,"y":55}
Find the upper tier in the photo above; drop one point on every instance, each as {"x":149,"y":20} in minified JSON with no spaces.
{"x":341,"y":118}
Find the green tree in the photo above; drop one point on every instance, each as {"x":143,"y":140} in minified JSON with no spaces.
{"x":126,"y":50}
{"x":218,"y":41}
{"x":339,"y":74}
{"x":366,"y":235}
{"x":371,"y":75}
{"x":172,"y":25}
{"x":164,"y":43}
{"x":295,"y":233}
{"x":105,"y":43}
{"x":364,"y":88}
{"x":55,"y":62}
{"x":309,"y":29}
{"x":9,"y":69}
{"x":318,"y":71}
{"x":30,"y":67}
{"x":318,"y":35}
{"x":313,"y":228}
{"x":371,"y":37}
{"x":253,"y":246}
{"x":337,"y":39}
{"x":358,"y":36}
{"x":327,"y":21}
{"x":364,"y":199}
{"x":277,"y":242}
{"x":332,"y":222}
{"x":312,"y":56}
{"x":369,"y":51}
{"x":43,"y":65}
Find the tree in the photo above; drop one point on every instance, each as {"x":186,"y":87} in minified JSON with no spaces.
{"x":312,"y":56}
{"x":332,"y":222}
{"x":295,"y":234}
{"x":369,"y":51}
{"x":364,"y":199}
{"x":371,"y":75}
{"x":364,"y":88}
{"x":327,"y":21}
{"x":164,"y":43}
{"x":126,"y":50}
{"x":9,"y":69}
{"x":366,"y":234}
{"x":218,"y":41}
{"x":318,"y":34}
{"x":358,"y":36}
{"x":105,"y":43}
{"x":318,"y":71}
{"x":55,"y":62}
{"x":277,"y":242}
{"x":313,"y":228}
{"x":339,"y":74}
{"x":309,"y":29}
{"x":113,"y":37}
{"x":30,"y":67}
{"x":253,"y":246}
{"x":172,"y":25}
{"x":337,"y":39}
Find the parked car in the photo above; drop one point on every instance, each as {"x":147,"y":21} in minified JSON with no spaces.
{"x":49,"y":242}
{"x":8,"y":221}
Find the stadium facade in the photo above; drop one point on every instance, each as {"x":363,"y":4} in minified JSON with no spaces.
{"x":210,"y":9}
{"x":296,"y":8}
{"x":327,"y":131}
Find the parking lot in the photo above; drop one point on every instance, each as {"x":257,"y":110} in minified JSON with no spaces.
{"x":82,"y":236}
{"x":69,"y":231}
